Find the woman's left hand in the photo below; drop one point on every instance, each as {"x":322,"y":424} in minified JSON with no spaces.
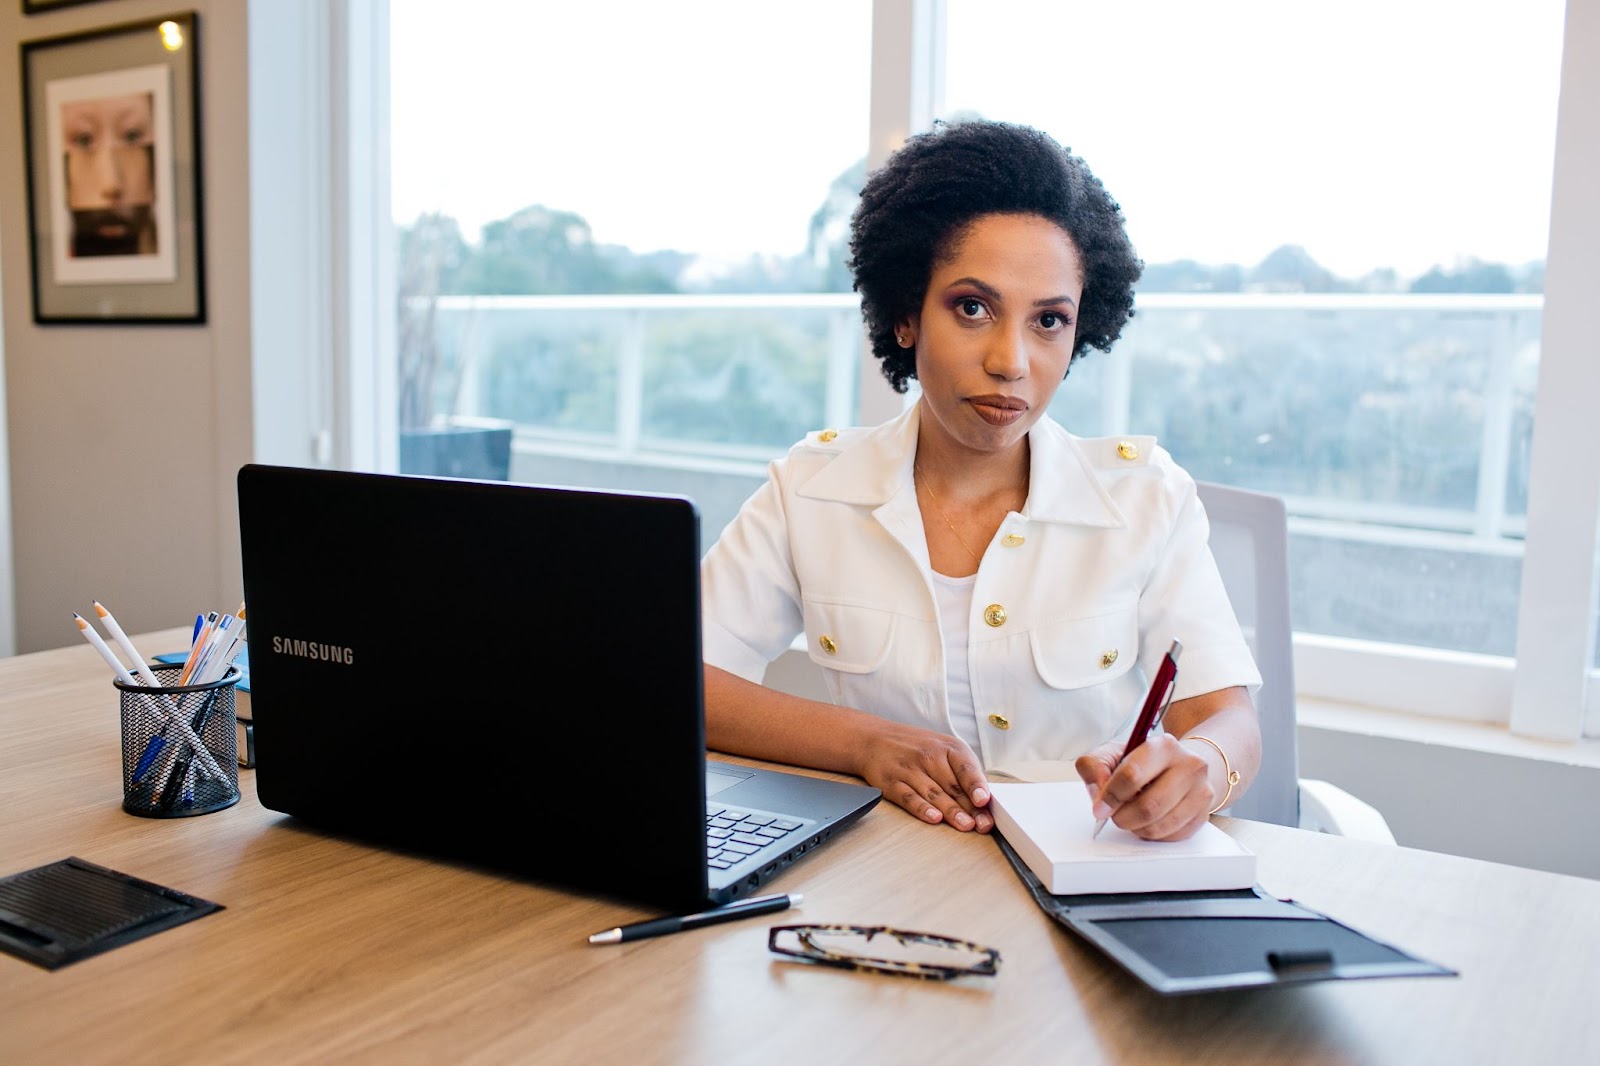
{"x":1160,"y":792}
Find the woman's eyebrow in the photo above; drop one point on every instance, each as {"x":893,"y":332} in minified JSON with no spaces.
{"x":994,"y":294}
{"x":982,"y":286}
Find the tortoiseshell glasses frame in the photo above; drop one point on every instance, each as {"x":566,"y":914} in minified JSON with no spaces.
{"x":983,"y":961}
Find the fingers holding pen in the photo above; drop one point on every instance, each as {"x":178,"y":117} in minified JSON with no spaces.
{"x":1159,"y":792}
{"x":1095,"y":767}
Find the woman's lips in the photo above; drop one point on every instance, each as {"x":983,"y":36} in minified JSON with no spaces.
{"x":998,"y":410}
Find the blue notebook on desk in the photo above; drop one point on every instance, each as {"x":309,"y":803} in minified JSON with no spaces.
{"x":509,"y":675}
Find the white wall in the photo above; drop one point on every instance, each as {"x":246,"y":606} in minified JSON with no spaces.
{"x":123,"y":441}
{"x":8,"y":625}
{"x":1464,"y":790}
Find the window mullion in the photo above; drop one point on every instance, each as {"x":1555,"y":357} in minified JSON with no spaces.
{"x":1556,"y":623}
{"x":907,"y":94}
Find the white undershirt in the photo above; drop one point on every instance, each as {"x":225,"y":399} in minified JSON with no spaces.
{"x":955,"y":607}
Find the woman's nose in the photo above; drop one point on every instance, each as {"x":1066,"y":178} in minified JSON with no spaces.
{"x":1006,"y":356}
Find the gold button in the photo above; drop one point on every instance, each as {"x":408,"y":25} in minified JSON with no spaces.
{"x":826,"y":435}
{"x":1012,"y":540}
{"x":995,"y":615}
{"x":1127,"y":449}
{"x":827,"y":644}
{"x":1107,"y":658}
{"x":999,"y":721}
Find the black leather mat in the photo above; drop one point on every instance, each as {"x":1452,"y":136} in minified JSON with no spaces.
{"x":69,"y":910}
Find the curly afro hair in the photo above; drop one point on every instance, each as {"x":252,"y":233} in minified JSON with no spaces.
{"x":914,"y":207}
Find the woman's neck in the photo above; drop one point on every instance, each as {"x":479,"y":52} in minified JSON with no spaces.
{"x":964,"y":497}
{"x":967,"y":478}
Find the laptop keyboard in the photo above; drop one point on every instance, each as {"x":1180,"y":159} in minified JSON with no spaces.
{"x":733,"y":835}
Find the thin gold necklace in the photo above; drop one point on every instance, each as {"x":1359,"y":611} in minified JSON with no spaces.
{"x":922,"y":478}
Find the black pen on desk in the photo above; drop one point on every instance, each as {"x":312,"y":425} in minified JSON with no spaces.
{"x":745,"y":908}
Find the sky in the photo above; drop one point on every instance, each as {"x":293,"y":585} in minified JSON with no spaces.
{"x":1374,"y":133}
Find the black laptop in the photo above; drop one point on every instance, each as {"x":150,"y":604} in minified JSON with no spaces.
{"x":507,"y":675}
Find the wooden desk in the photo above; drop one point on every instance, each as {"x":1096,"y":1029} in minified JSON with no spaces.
{"x":329,"y":951}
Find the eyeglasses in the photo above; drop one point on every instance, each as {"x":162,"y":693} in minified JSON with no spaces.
{"x":900,"y":951}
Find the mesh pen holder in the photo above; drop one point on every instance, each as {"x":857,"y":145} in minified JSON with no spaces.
{"x":179,"y":749}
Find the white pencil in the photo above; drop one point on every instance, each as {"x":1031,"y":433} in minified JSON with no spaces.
{"x":169,"y":716}
{"x":126,"y":645}
{"x":106,"y":653}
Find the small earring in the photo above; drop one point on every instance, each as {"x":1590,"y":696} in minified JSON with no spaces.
{"x":904,"y":341}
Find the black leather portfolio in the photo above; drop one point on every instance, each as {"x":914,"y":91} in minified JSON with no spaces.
{"x":1184,"y":942}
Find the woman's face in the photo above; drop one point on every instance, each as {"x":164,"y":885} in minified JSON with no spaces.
{"x":995,"y":334}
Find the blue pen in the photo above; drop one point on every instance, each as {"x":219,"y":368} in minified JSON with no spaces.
{"x":199,"y":623}
{"x":151,"y":750}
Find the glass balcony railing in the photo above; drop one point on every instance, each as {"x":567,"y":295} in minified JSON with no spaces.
{"x":1406,"y":411}
{"x":732,"y":377}
{"x":1396,"y":427}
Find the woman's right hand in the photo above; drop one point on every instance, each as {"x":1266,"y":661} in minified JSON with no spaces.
{"x":933,"y":776}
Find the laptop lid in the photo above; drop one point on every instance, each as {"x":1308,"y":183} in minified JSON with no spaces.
{"x":504,"y":674}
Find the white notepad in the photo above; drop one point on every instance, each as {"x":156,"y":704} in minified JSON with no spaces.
{"x":1049,"y":824}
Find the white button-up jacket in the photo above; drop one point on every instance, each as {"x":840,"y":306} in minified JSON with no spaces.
{"x":1104,"y":566}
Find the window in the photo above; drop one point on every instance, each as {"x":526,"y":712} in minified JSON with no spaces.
{"x":1341,"y":299}
{"x":621,"y":234}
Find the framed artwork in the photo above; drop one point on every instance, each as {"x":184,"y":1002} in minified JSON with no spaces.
{"x":33,"y":7}
{"x":111,"y":119}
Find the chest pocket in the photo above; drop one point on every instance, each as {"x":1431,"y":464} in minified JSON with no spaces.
{"x":847,"y":638}
{"x":1080,"y":652}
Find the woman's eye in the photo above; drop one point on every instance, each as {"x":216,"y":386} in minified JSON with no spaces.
{"x":1053,"y":320}
{"x":971,"y":307}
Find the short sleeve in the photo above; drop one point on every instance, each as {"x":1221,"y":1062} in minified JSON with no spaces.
{"x":750,"y":597}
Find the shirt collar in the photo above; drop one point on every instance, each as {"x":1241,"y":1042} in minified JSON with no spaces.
{"x":1062,"y":485}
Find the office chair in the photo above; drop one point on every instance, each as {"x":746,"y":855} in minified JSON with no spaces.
{"x":1250,"y":541}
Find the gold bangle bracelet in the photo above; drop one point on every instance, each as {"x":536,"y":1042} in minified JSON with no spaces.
{"x":1232,"y":774}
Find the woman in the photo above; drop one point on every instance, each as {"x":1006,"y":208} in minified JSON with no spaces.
{"x":984,"y":592}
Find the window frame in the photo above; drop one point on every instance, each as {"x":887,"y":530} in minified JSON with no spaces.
{"x":1547,"y":691}
{"x":1553,"y":695}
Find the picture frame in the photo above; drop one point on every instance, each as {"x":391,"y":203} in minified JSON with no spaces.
{"x":34,"y":7}
{"x":111,"y":121}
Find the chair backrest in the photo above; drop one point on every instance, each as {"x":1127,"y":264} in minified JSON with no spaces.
{"x":1250,"y":540}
